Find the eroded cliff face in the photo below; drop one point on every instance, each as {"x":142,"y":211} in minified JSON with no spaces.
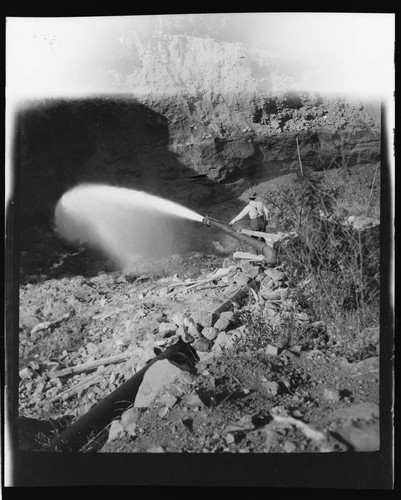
{"x":230,"y":106}
{"x":194,"y":121}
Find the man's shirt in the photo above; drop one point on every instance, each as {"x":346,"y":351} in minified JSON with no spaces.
{"x":254,"y":209}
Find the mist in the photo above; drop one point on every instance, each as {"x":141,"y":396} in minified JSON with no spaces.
{"x":123,"y":223}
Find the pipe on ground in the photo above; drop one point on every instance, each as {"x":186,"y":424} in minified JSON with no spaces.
{"x":112,"y":406}
{"x":267,"y":251}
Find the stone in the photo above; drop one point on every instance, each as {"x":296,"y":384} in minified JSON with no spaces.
{"x":202,"y":318}
{"x":286,"y":354}
{"x":275,"y":274}
{"x":271,"y":387}
{"x":362,"y":436}
{"x":25,"y":373}
{"x":303,"y":316}
{"x":270,"y":311}
{"x":132,"y":429}
{"x":167,"y":400}
{"x":34,"y":365}
{"x":202,"y":344}
{"x":116,"y":431}
{"x":167,"y":329}
{"x":162,"y":411}
{"x":331,"y":394}
{"x":289,"y":447}
{"x":230,"y":438}
{"x":191,"y":327}
{"x":178,"y":319}
{"x":193,"y":400}
{"x":271,"y":350}
{"x":51,"y":393}
{"x":275,"y":124}
{"x":210,"y":332}
{"x":187,"y":338}
{"x":241,"y":279}
{"x":158,"y":375}
{"x":130,"y":417}
{"x":221,"y":341}
{"x":225,"y":320}
{"x":270,"y":294}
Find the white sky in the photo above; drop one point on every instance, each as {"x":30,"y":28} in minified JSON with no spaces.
{"x":349,"y":52}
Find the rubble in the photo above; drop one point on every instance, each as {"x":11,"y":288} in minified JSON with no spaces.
{"x":140,"y":325}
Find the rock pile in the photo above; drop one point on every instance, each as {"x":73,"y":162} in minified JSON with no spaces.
{"x":247,"y":286}
{"x":81,"y":338}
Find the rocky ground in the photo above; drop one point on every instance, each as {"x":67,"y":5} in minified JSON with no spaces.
{"x":271,"y":377}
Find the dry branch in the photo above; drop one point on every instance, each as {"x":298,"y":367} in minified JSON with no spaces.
{"x":113,"y":311}
{"x":81,"y":386}
{"x":190,"y":285}
{"x":47,"y":324}
{"x":90,"y":366}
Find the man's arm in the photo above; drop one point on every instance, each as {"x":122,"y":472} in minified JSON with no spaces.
{"x":240,"y":216}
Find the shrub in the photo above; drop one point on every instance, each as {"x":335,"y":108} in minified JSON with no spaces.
{"x":334,"y":267}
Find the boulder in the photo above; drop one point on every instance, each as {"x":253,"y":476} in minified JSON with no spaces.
{"x":130,"y":417}
{"x":210,"y":332}
{"x":159,"y":374}
{"x":275,"y":274}
{"x":332,"y":395}
{"x":270,"y":294}
{"x":271,"y":350}
{"x":303,"y":316}
{"x":202,"y":344}
{"x":178,"y":319}
{"x":241,"y":279}
{"x":226,"y":319}
{"x":116,"y":430}
{"x":167,"y":329}
{"x":249,"y":270}
{"x":362,"y":436}
{"x":202,"y":318}
{"x":221,"y":341}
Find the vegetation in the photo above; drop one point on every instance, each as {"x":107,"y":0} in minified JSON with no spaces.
{"x":333,"y":268}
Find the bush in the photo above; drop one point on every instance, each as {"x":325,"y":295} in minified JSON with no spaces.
{"x":334,"y":267}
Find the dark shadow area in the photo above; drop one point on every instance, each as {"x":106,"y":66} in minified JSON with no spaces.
{"x":116,"y":141}
{"x":34,"y":434}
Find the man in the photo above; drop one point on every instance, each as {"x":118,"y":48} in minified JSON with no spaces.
{"x":256,"y":211}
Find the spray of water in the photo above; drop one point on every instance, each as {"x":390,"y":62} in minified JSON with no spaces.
{"x":124,"y":223}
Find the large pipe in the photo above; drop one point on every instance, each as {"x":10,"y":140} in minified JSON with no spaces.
{"x":97,"y":418}
{"x":267,"y":251}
